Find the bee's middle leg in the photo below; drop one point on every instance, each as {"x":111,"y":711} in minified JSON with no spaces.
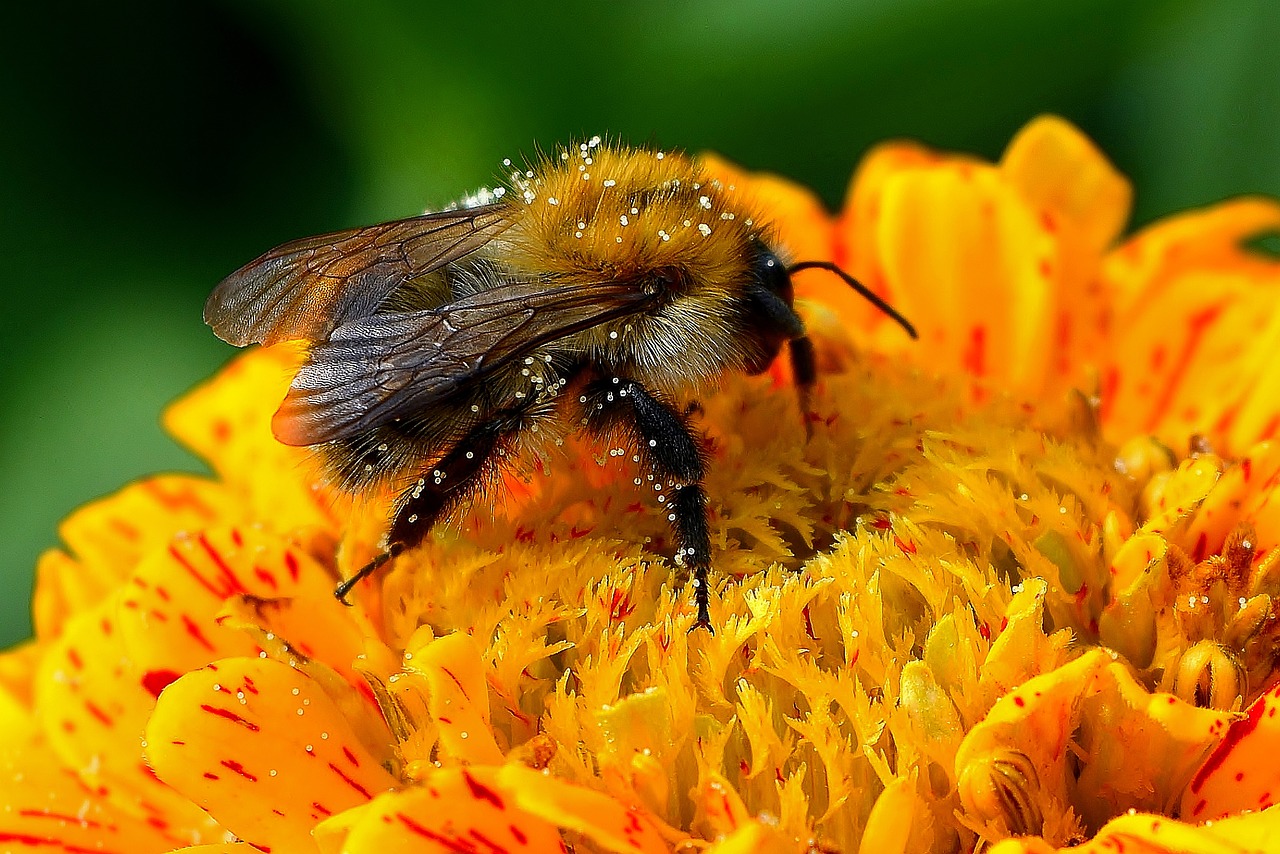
{"x":450,"y":480}
{"x":669,"y":445}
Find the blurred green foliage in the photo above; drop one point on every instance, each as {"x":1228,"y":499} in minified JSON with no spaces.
{"x":152,"y":147}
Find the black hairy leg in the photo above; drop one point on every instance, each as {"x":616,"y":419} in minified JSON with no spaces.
{"x":804,"y":367}
{"x":669,"y":446}
{"x":450,"y":480}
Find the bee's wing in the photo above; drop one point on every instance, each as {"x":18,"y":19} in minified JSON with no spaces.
{"x":393,"y":365}
{"x":307,"y":288}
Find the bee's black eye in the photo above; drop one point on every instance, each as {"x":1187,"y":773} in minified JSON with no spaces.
{"x":770,"y":272}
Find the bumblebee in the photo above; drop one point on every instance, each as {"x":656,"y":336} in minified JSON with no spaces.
{"x":597,"y":290}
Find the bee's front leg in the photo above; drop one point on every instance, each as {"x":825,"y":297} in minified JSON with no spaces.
{"x":669,"y":445}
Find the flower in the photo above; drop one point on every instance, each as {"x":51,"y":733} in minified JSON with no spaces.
{"x":1014,"y":585}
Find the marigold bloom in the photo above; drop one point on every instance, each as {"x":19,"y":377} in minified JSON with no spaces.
{"x":1016,"y":584}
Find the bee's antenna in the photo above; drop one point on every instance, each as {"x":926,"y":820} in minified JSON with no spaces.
{"x":860,"y":288}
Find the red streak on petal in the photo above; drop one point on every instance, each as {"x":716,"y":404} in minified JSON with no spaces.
{"x":291,"y":564}
{"x":209,"y":775}
{"x":34,"y":841}
{"x":351,"y":757}
{"x":231,"y":716}
{"x":352,"y":783}
{"x":456,"y":681}
{"x":265,"y":577}
{"x":1197,"y":325}
{"x":518,"y":834}
{"x":98,"y":713}
{"x":1048,"y":220}
{"x":1201,"y":550}
{"x":66,"y":817}
{"x":229,"y":577}
{"x":974,"y":358}
{"x":237,"y":537}
{"x":184,"y":497}
{"x":481,"y":792}
{"x":74,"y":657}
{"x":194,"y":630}
{"x":321,"y":808}
{"x":460,"y":846}
{"x":191,"y":570}
{"x":1237,"y":733}
{"x":235,"y":766}
{"x":156,"y":681}
{"x":249,"y":686}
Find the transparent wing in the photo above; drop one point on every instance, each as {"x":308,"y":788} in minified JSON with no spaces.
{"x":389,"y":366}
{"x":307,"y":288}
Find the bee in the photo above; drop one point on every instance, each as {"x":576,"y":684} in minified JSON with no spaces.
{"x":597,"y":290}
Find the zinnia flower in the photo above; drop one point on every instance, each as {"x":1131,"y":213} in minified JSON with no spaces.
{"x":1014,"y":585}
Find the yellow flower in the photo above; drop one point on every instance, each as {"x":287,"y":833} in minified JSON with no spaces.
{"x":1016,"y":585}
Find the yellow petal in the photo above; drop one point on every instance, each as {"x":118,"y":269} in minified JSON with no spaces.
{"x":753,"y":838}
{"x":93,"y":704}
{"x":262,"y":748}
{"x":1195,"y":330}
{"x":857,"y":231}
{"x":1138,"y":750}
{"x":452,"y":810}
{"x":1060,"y":172}
{"x":107,"y":537}
{"x":227,"y":421}
{"x":609,"y":823}
{"x":458,"y":696}
{"x":892,"y":819}
{"x":48,"y":808}
{"x":1241,"y":773}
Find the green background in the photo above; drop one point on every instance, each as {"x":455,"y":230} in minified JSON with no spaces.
{"x":150,"y":148}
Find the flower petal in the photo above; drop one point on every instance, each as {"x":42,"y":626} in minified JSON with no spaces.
{"x":227,"y":421}
{"x":609,"y":823}
{"x":452,"y":810}
{"x":1196,"y":328}
{"x":458,"y":697}
{"x":48,"y":807}
{"x":242,"y":735}
{"x":93,"y":704}
{"x":1241,"y":773}
{"x":107,"y":537}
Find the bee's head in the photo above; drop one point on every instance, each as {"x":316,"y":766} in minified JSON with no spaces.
{"x":769,"y":318}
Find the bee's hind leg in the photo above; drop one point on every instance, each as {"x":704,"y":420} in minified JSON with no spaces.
{"x":669,"y":445}
{"x":450,"y":480}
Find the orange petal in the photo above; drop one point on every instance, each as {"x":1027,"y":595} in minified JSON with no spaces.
{"x":227,"y":421}
{"x":1196,"y":330}
{"x":975,"y":270}
{"x":458,"y":697}
{"x":753,"y":838}
{"x":48,"y":808}
{"x":1061,"y":173}
{"x":1137,"y":750}
{"x":1157,"y":834}
{"x":1205,"y":239}
{"x":262,"y":748}
{"x":1241,"y":773}
{"x":453,"y":810}
{"x":107,"y":538}
{"x":609,"y":823}
{"x":93,"y":704}
{"x":857,"y":232}
{"x":1081,"y":199}
{"x":168,"y":609}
